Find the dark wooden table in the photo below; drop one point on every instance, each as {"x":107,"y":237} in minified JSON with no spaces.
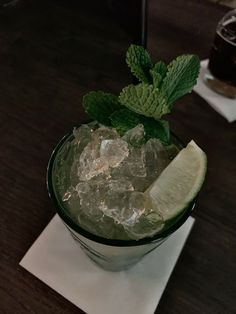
{"x":50,"y":55}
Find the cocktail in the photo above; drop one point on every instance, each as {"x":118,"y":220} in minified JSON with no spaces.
{"x":123,"y":182}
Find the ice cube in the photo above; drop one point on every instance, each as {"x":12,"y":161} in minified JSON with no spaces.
{"x":90,"y":216}
{"x":90,"y":153}
{"x":137,"y":204}
{"x":147,"y":226}
{"x":104,"y":133}
{"x":135,"y":136}
{"x":82,"y":135}
{"x":94,"y":168}
{"x":145,"y":221}
{"x":114,"y":151}
{"x":82,"y":188}
{"x":120,"y":185}
{"x":132,"y":167}
{"x":114,"y":204}
{"x":156,"y":157}
{"x":136,"y":163}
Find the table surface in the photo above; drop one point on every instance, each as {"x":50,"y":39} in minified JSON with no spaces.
{"x":47,"y":62}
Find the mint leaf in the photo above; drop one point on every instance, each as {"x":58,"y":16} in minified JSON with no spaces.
{"x":144,"y":99}
{"x":157,"y":129}
{"x":181,"y":77}
{"x":100,"y":105}
{"x":124,"y":120}
{"x":157,"y":78}
{"x":139,"y":62}
{"x":161,"y":68}
{"x":158,"y":72}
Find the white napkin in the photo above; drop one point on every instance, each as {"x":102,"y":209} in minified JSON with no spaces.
{"x":224,"y":106}
{"x":57,"y":260}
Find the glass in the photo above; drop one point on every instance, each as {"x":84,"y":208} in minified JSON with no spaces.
{"x":222,"y":63}
{"x":112,"y":255}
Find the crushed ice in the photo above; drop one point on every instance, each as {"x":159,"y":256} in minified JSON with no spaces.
{"x":108,"y":177}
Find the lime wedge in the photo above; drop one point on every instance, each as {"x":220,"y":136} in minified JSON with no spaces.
{"x":179,"y":182}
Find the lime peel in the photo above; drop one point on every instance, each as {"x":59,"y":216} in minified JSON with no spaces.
{"x":179,"y":182}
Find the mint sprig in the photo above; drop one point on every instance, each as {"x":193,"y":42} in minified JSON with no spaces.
{"x":148,"y":101}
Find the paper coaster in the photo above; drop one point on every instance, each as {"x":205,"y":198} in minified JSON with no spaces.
{"x":56,"y":259}
{"x":223,"y":105}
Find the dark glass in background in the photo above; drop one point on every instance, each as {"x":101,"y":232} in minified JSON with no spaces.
{"x":222,"y":62}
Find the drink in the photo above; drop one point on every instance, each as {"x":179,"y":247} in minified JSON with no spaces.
{"x":222,"y":63}
{"x":116,"y":174}
{"x":110,"y":217}
{"x":116,"y":182}
{"x":223,"y":56}
{"x":102,"y":212}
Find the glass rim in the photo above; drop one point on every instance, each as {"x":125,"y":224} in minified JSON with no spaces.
{"x":221,"y":25}
{"x":226,"y":15}
{"x":101,"y":240}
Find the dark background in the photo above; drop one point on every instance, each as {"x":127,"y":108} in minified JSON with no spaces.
{"x":51,"y":54}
